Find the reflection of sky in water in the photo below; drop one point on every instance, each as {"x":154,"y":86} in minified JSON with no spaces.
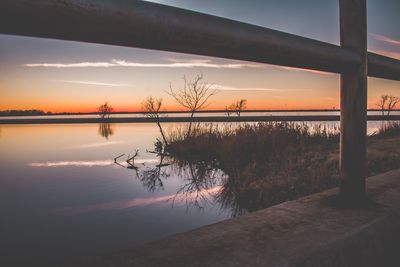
{"x":88,"y":163}
{"x":139,"y":202}
{"x":63,"y":196}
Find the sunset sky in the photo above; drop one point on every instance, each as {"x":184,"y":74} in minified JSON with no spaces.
{"x":60,"y":76}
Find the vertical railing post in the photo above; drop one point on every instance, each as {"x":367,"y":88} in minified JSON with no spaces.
{"x":353,"y":103}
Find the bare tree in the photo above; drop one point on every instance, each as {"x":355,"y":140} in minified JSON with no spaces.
{"x":382,"y":103}
{"x":193,"y":96}
{"x":152,"y":107}
{"x":237,"y":107}
{"x":105,"y":110}
{"x":393,"y":100}
{"x":388,"y":103}
{"x":228,"y":111}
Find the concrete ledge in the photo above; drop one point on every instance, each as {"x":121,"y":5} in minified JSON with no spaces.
{"x":306,"y":232}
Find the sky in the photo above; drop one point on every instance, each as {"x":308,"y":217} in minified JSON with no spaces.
{"x":64,"y":76}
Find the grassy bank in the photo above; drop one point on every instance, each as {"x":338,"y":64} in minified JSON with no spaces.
{"x":268,"y":163}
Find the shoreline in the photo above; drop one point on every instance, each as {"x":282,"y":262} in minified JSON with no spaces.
{"x":293,"y":118}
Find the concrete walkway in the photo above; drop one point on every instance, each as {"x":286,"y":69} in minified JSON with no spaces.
{"x":310,"y":231}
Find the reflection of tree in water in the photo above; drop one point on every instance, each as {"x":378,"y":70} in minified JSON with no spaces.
{"x":233,"y":197}
{"x":201,"y":182}
{"x":205,"y":183}
{"x":105,"y":130}
{"x":152,"y":178}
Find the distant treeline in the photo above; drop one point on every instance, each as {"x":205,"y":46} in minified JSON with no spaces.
{"x":36,"y":112}
{"x":30,"y":112}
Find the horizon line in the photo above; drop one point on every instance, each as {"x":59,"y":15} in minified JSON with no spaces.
{"x":183,"y":111}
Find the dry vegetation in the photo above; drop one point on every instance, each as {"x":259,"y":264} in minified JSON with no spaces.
{"x":268,"y":163}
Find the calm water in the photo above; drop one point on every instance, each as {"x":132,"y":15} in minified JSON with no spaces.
{"x":277,"y":113}
{"x":63,"y":197}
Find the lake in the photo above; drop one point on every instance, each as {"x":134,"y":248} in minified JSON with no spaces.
{"x":64,"y":198}
{"x":199,"y":114}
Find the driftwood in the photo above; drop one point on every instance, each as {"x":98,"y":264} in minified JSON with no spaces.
{"x":162,"y":165}
{"x":116,"y":158}
{"x":131,"y":160}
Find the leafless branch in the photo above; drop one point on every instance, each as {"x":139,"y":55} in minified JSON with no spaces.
{"x":152,"y":106}
{"x":193,"y":96}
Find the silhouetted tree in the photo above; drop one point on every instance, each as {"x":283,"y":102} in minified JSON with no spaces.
{"x":237,"y":107}
{"x":382,"y":103}
{"x":193,"y":96}
{"x":152,"y":106}
{"x":228,"y":111}
{"x":393,"y":100}
{"x":105,"y":110}
{"x":388,"y":103}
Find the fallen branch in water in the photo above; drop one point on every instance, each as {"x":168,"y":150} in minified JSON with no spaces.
{"x":131,"y":160}
{"x":115,"y":159}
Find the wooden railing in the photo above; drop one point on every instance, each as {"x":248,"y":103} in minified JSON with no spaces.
{"x":153,"y":26}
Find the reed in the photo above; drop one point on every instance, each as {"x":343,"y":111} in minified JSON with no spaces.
{"x":271,"y":162}
{"x":390,"y":128}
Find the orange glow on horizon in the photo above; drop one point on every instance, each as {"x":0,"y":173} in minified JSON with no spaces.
{"x":82,"y":107}
{"x":65,"y":107}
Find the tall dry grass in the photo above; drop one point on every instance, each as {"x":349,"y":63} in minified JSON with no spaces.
{"x":389,"y":129}
{"x":271,"y":162}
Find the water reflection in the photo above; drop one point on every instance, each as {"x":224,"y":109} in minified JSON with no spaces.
{"x":66,"y":168}
{"x":120,"y":204}
{"x":152,"y":178}
{"x":88,"y":163}
{"x":205,"y":184}
{"x":61,"y":182}
{"x":201,"y":182}
{"x":200,"y":179}
{"x":105,"y":130}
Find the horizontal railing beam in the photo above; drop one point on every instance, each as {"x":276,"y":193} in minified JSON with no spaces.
{"x":383,"y":67}
{"x":148,"y":25}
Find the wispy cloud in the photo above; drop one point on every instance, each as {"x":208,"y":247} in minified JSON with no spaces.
{"x":93,"y":83}
{"x":173,"y":63}
{"x":305,"y":70}
{"x":230,"y":88}
{"x":384,"y":38}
